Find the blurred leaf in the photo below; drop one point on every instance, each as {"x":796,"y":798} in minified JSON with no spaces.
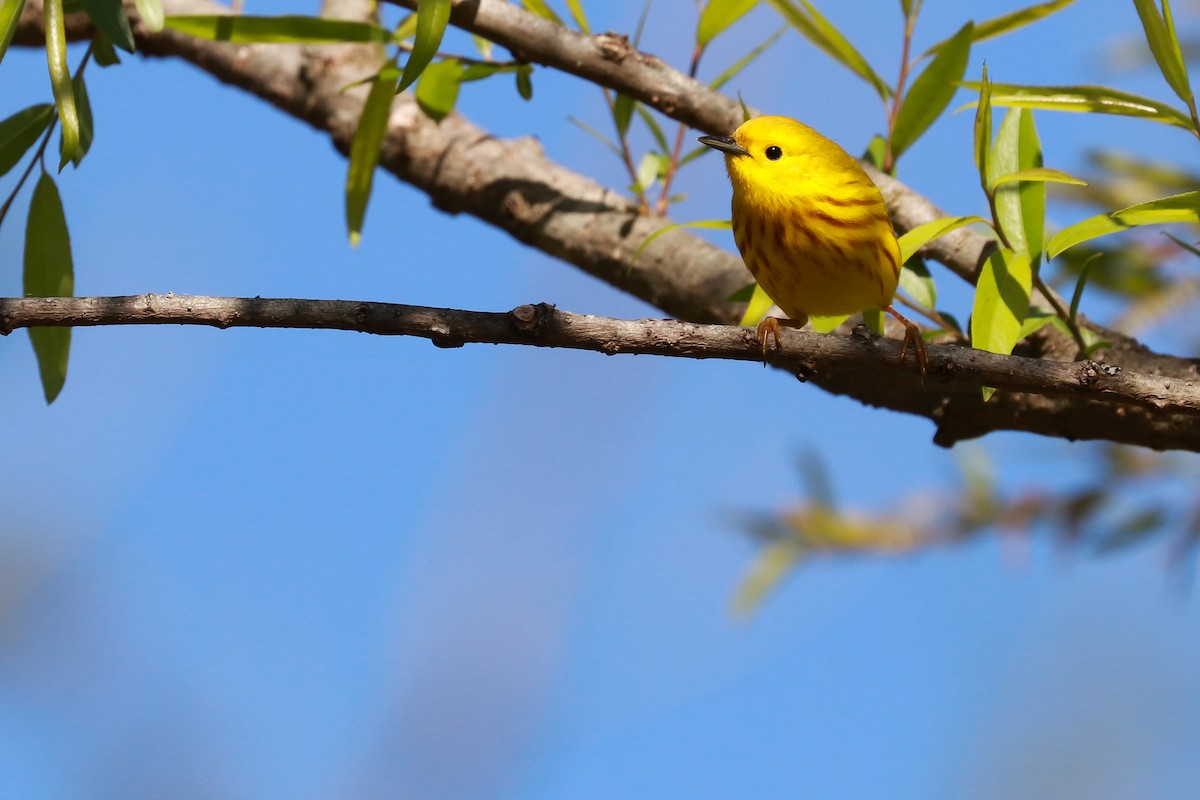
{"x":723,"y":224}
{"x":757,"y":308}
{"x":437,"y":88}
{"x":918,"y":237}
{"x":1001,"y":303}
{"x":746,"y":60}
{"x":1133,"y":529}
{"x":815,"y":476}
{"x":742,"y":295}
{"x":49,"y":273}
{"x":84,"y":106}
{"x":278,"y":30}
{"x":103,"y":52}
{"x":110,"y":19}
{"x":1177,"y":208}
{"x":539,"y":8}
{"x":1160,"y":35}
{"x":773,"y":563}
{"x":478,"y":72}
{"x":694,"y":154}
{"x":151,"y":14}
{"x":432,"y":18}
{"x":641,"y":24}
{"x":917,"y":283}
{"x":1040,"y":174}
{"x":876,"y":152}
{"x":825,"y":36}
{"x":576,"y":9}
{"x":983,"y":129}
{"x":1006,"y":23}
{"x":1090,"y":99}
{"x":588,"y":129}
{"x":406,"y":29}
{"x":932,"y":91}
{"x":622,"y":112}
{"x":719,"y":15}
{"x":655,"y":130}
{"x":648,"y":170}
{"x":19,"y":132}
{"x":484,"y":46}
{"x":10,"y":15}
{"x":364,"y":150}
{"x":60,"y":79}
{"x":1191,"y":248}
{"x":525,"y":83}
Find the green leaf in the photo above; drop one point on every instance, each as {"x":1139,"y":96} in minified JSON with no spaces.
{"x":648,"y":170}
{"x":525,"y":82}
{"x":876,"y":152}
{"x":932,"y":91}
{"x":364,"y":150}
{"x":437,"y":88}
{"x":719,"y":15}
{"x":918,"y":237}
{"x":1165,"y":46}
{"x":60,"y":79}
{"x":1089,"y":99}
{"x":19,"y":132}
{"x":151,"y":14}
{"x":85,"y":120}
{"x":49,"y":273}
{"x":406,"y":29}
{"x":983,"y":129}
{"x":1177,"y":208}
{"x":539,"y":8}
{"x":1001,"y":303}
{"x":1084,"y":273}
{"x":739,"y":65}
{"x":722,"y":224}
{"x":432,"y":18}
{"x":576,"y":9}
{"x":1191,"y":248}
{"x":110,"y":19}
{"x":103,"y":52}
{"x":821,"y":32}
{"x":10,"y":15}
{"x":917,"y":283}
{"x":1020,"y":207}
{"x":477,"y":72}
{"x":278,"y":30}
{"x":622,"y":112}
{"x":1039,"y":174}
{"x":873,"y":319}
{"x":822,"y":324}
{"x":1006,"y":23}
{"x":484,"y":46}
{"x":1035,"y":322}
{"x":757,"y":308}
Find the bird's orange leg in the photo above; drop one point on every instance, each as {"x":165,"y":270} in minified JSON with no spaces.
{"x":912,"y":336}
{"x":769,"y":327}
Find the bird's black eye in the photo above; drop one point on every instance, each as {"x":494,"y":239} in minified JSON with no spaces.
{"x":774,"y":153}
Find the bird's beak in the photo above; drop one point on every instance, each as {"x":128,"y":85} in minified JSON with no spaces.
{"x":725,"y":144}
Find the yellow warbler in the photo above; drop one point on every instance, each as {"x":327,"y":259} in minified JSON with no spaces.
{"x":811,"y":225}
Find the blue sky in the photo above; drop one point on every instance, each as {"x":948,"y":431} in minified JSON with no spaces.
{"x":319,"y":564}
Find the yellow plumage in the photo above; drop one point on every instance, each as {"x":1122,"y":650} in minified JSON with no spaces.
{"x":810,"y":223}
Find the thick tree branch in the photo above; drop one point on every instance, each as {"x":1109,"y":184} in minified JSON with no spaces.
{"x":512,"y":185}
{"x":1138,"y":408}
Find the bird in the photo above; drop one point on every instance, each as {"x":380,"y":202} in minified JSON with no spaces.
{"x":812,"y":227}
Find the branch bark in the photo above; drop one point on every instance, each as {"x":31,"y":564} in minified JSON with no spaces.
{"x":513,"y":186}
{"x":1113,"y":404}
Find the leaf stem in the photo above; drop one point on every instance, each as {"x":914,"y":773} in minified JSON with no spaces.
{"x":910,"y":24}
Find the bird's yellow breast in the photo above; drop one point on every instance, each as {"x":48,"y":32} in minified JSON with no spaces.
{"x":811,"y":225}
